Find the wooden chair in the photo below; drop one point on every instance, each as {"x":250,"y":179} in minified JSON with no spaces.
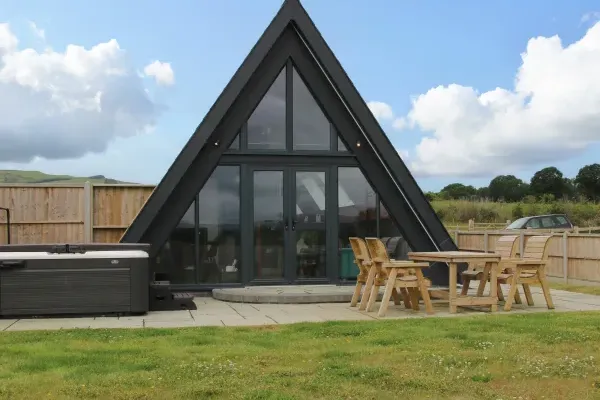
{"x":527,"y":270}
{"x":506,"y":247}
{"x":404,"y":276}
{"x":362,"y":259}
{"x":366,"y":276}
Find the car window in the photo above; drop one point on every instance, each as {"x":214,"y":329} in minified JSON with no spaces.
{"x":533,"y":223}
{"x":561,"y":220}
{"x":547,"y":222}
{"x":518,"y":224}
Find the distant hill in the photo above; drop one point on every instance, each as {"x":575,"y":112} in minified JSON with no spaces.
{"x":33,"y":177}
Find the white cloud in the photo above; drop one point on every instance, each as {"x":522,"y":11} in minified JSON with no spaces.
{"x":404,"y":154}
{"x":161,"y":72}
{"x":552,"y":113}
{"x":381,"y":110}
{"x":399,"y":123}
{"x":63,"y":105}
{"x":591,"y":16}
{"x":40,"y":33}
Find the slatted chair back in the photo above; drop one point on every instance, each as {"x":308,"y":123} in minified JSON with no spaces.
{"x":536,"y":248}
{"x":507,"y":246}
{"x":362,"y":257}
{"x":379,"y":256}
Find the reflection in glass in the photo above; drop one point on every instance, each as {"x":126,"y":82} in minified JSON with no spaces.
{"x":219,"y":227}
{"x":310,"y":253}
{"x":311,"y":129}
{"x":390,"y":234}
{"x":357,"y":206}
{"x":268,"y":224}
{"x":176,"y":258}
{"x":310,"y":197}
{"x":266,"y":126}
{"x":310,"y":216}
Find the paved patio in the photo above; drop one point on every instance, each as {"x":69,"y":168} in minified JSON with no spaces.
{"x":213,"y":312}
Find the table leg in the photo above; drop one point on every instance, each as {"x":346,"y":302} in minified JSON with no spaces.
{"x":424,"y":291}
{"x":484,"y":279}
{"x":493,"y":268}
{"x":453,"y":293}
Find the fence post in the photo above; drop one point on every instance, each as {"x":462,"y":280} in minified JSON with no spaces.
{"x":87,"y":212}
{"x":521,"y":244}
{"x":471,"y":224}
{"x":485,"y":241}
{"x":565,"y":247}
{"x":456,"y":237}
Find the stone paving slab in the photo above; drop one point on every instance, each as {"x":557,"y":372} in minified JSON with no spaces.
{"x":213,"y":312}
{"x":5,"y":323}
{"x":290,"y":294}
{"x":51,"y":324}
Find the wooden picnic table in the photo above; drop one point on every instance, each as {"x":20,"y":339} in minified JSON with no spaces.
{"x":452,"y":258}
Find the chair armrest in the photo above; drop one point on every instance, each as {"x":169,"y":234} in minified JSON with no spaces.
{"x":405,"y":264}
{"x":520,"y":261}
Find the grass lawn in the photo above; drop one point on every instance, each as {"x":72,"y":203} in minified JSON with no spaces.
{"x":542,"y":355}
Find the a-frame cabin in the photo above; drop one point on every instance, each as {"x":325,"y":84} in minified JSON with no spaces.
{"x":286,"y":165}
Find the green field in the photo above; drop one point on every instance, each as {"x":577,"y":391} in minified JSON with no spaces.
{"x":460,"y":211}
{"x":542,"y":355}
{"x":37,"y":177}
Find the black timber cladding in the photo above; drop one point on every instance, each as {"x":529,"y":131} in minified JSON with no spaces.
{"x":292,"y":35}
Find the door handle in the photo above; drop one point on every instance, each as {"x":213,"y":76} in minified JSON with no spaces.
{"x":293,"y":224}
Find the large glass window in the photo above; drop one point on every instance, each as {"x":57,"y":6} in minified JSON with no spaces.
{"x":268,"y":224}
{"x":357,"y":205}
{"x":219,"y":227}
{"x":360,"y":215}
{"x":177,"y":257}
{"x":311,"y":128}
{"x":218,"y":214}
{"x":266,"y":126}
{"x":390,"y":234}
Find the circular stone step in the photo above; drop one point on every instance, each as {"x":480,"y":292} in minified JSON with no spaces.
{"x":287,"y":294}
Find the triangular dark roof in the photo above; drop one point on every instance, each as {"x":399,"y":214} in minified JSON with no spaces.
{"x":407,"y":204}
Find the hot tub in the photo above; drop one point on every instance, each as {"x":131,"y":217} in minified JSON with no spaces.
{"x":73,"y":279}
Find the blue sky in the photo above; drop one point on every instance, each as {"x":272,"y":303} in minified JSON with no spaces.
{"x":391,"y":49}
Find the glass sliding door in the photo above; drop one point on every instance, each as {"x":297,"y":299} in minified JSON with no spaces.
{"x":269,"y":224}
{"x":289,"y":214}
{"x":308,"y":227}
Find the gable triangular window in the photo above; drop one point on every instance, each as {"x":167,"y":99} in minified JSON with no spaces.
{"x":311,"y":128}
{"x":235,"y":145}
{"x":266,"y":126}
{"x":340,"y":145}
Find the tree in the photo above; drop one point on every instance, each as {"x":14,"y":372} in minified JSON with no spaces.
{"x":483,"y":192}
{"x":458,"y":191}
{"x":587,"y":181}
{"x":549,"y":180}
{"x":507,"y":187}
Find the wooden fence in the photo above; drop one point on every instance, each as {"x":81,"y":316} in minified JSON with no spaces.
{"x":573,"y":257}
{"x":102,"y":212}
{"x":70,"y":213}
